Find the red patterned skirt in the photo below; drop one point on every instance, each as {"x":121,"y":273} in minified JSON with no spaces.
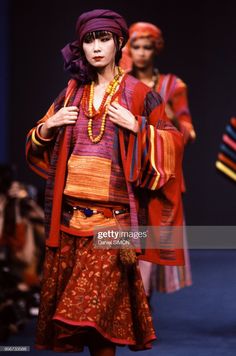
{"x":87,"y":290}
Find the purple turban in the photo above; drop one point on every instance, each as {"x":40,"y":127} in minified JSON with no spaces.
{"x":101,"y":20}
{"x":95,"y":20}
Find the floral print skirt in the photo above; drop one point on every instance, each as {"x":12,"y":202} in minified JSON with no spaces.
{"x":87,"y":290}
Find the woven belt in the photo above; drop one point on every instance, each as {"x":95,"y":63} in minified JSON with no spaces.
{"x":107,"y":212}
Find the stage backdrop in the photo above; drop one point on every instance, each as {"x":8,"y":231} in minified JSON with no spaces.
{"x":4,"y":78}
{"x":200,"y":48}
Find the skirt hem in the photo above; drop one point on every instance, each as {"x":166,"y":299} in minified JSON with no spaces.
{"x":115,"y":340}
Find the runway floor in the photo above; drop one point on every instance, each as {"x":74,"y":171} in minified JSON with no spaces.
{"x":197,"y":321}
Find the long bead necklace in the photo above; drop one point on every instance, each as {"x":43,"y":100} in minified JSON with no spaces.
{"x":110,"y":91}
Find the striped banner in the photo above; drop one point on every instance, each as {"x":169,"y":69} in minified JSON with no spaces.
{"x":226,"y":160}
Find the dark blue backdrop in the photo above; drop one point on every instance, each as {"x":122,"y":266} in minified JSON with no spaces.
{"x":200,"y":48}
{"x":4,"y":78}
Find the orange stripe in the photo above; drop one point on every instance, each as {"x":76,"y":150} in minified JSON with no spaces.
{"x":227,"y":161}
{"x":152,"y":157}
{"x":168,"y":152}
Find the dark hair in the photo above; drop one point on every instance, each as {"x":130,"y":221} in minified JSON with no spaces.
{"x":89,"y":72}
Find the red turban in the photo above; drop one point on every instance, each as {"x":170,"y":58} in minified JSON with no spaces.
{"x":146,"y":29}
{"x":141,"y":30}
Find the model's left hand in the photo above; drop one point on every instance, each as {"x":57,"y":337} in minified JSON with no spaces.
{"x":122,"y":117}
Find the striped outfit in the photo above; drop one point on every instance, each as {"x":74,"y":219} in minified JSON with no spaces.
{"x":169,"y":279}
{"x":85,"y":288}
{"x":226,"y":162}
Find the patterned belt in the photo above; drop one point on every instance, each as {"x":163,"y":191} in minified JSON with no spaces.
{"x":107,"y":212}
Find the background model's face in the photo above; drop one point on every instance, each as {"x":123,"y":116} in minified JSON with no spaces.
{"x":100,"y":52}
{"x":142,"y":52}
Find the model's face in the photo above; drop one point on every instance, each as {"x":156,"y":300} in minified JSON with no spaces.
{"x":142,"y":52}
{"x":100,"y":52}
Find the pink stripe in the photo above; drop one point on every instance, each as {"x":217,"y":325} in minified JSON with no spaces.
{"x":229,"y":142}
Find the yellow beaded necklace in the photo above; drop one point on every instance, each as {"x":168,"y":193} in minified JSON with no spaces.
{"x":110,"y":91}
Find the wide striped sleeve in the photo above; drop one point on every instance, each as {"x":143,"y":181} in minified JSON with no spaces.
{"x":154,"y":154}
{"x":39,"y":160}
{"x":226,"y":160}
{"x":178,"y":102}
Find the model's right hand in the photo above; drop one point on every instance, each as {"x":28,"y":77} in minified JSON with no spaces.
{"x":65,"y":116}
